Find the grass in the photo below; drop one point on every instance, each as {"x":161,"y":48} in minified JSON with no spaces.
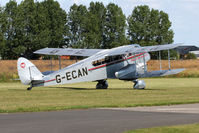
{"x":191,"y":128}
{"x":159,"y":91}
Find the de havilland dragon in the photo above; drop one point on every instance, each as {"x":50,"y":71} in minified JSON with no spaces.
{"x":128,"y":62}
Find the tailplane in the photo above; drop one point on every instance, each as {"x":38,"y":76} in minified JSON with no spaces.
{"x":27,"y":71}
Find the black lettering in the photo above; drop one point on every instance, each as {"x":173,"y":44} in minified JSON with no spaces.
{"x":68,"y":76}
{"x":58,"y":79}
{"x":79,"y":73}
{"x":73,"y":74}
{"x":85,"y":71}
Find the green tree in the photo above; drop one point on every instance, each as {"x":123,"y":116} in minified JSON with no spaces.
{"x":28,"y":27}
{"x":21,"y":29}
{"x":95,"y":25}
{"x":190,"y":56}
{"x":77,"y":19}
{"x":150,"y":27}
{"x":9,"y":29}
{"x":2,"y":39}
{"x":2,"y":44}
{"x":114,"y":27}
{"x":56,"y":23}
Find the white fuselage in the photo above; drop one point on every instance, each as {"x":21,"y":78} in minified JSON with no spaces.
{"x":97,"y":67}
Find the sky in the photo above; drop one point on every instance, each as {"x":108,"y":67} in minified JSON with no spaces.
{"x":184,"y":14}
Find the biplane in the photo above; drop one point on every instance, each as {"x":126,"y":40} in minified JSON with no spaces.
{"x":128,"y":62}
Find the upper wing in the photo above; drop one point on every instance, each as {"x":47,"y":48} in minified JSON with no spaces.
{"x":67,"y":51}
{"x":184,"y":49}
{"x":133,"y":49}
{"x":115,"y":51}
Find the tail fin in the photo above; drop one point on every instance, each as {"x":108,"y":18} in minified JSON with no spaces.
{"x":27,"y":71}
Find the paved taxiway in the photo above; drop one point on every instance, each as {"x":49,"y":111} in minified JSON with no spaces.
{"x":112,"y":120}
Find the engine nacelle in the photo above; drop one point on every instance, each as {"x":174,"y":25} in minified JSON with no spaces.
{"x":139,"y":84}
{"x":127,"y":73}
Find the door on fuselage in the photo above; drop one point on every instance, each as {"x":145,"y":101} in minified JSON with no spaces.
{"x":114,"y":64}
{"x":111,"y":63}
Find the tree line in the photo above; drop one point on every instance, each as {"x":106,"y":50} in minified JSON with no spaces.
{"x":30,"y":25}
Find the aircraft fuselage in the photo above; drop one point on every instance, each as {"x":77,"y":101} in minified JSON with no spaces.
{"x":96,"y":67}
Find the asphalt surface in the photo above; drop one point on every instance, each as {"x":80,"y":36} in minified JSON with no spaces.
{"x":92,"y":120}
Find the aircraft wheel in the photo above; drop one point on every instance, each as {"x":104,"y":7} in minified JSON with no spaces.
{"x":139,"y":84}
{"x":102,"y":84}
{"x":29,"y":88}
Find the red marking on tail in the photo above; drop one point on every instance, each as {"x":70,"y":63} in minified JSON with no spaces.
{"x":23,"y":65}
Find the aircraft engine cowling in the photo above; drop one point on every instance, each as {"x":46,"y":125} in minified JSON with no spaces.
{"x":127,"y":73}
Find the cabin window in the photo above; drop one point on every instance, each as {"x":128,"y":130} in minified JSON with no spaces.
{"x":136,"y":46}
{"x":103,"y":61}
{"x":121,"y":57}
{"x":107,"y":60}
{"x":98,"y":63}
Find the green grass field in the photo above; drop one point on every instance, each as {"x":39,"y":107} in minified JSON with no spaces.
{"x":192,"y":128}
{"x":159,"y":91}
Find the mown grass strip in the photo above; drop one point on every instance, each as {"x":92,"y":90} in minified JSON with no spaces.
{"x":159,"y":91}
{"x":191,"y":128}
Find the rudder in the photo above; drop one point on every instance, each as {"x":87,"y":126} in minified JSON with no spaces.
{"x":27,"y":71}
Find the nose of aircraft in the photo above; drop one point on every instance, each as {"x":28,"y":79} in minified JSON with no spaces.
{"x":116,"y":74}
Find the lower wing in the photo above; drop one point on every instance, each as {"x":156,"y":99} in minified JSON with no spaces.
{"x":161,"y":73}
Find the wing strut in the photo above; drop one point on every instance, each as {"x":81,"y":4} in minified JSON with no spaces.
{"x":51,"y":63}
{"x":144,"y":63}
{"x":160,"y":61}
{"x":59,"y":62}
{"x":76,"y":58}
{"x":169,"y":59}
{"x":169,"y":62}
{"x":125,"y":58}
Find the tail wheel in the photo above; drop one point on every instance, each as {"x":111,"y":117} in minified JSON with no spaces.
{"x":29,"y":88}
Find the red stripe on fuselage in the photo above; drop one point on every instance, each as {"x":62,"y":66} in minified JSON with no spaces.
{"x":49,"y":80}
{"x":44,"y":81}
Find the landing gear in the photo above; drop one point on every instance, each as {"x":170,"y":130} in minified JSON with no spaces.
{"x":102,"y":84}
{"x":29,"y":88}
{"x":139,"y":84}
